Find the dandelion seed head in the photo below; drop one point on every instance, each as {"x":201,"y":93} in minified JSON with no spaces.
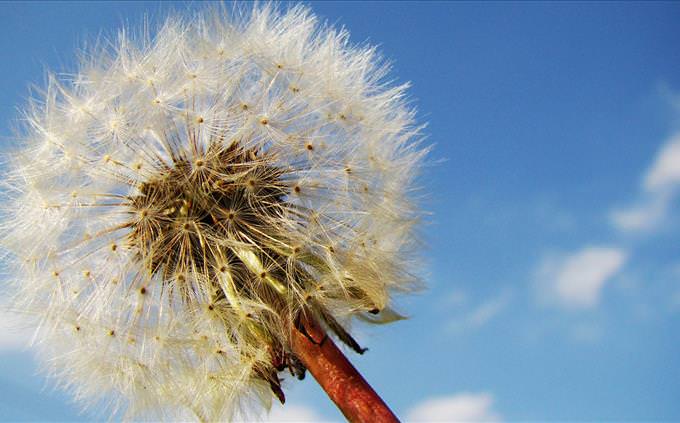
{"x":181,"y":199}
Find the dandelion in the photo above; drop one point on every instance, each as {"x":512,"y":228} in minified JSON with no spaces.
{"x":191,"y":212}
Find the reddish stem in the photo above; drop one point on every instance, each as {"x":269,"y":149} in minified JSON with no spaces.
{"x":336,"y":375}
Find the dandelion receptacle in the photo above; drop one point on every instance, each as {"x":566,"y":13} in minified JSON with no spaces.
{"x":199,"y":206}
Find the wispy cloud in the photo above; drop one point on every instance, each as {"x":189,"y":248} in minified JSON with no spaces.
{"x":480,"y":314}
{"x":647,"y":214}
{"x":576,"y":280}
{"x":463,"y":407}
{"x":665,"y":172}
{"x":660,"y":184}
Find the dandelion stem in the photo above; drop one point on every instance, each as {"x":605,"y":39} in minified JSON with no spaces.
{"x":332,"y":370}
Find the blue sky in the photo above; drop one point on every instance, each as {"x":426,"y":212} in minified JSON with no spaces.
{"x":553,"y":247}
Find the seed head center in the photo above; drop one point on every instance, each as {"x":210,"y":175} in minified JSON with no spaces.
{"x":189,"y":215}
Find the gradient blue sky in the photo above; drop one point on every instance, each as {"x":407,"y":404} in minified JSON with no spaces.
{"x":554,"y":240}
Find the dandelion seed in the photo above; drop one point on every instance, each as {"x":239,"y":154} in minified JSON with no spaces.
{"x":179,"y":191}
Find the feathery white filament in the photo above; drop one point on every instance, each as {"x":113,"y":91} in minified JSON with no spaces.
{"x":178,"y":201}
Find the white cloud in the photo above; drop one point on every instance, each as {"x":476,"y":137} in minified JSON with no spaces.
{"x":660,"y":183}
{"x":576,"y":280}
{"x":464,"y":407}
{"x":665,"y":172}
{"x":293,"y":413}
{"x":11,"y":337}
{"x":481,"y":314}
{"x":643,"y":216}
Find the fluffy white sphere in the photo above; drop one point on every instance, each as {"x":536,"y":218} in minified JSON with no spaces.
{"x":177,"y":203}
